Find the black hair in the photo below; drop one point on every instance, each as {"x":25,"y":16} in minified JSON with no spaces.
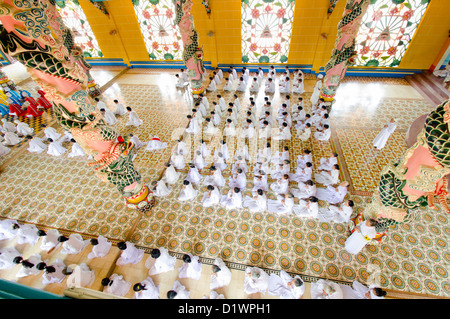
{"x":171,"y":294}
{"x":41,"y":233}
{"x":313,"y":199}
{"x":350,"y":203}
{"x":122,"y":245}
{"x":106,"y":281}
{"x":128,"y":108}
{"x":186,"y":182}
{"x":62,"y":239}
{"x":187,"y":258}
{"x":309,"y":182}
{"x":210,"y":187}
{"x":308,"y":164}
{"x":41,"y":266}
{"x":216,"y":269}
{"x":260,"y":192}
{"x":155,"y":253}
{"x":94,"y":241}
{"x":138,"y":287}
{"x":379,"y":292}
{"x":236,"y":190}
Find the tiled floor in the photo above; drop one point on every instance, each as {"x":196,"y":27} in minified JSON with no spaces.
{"x":64,"y":193}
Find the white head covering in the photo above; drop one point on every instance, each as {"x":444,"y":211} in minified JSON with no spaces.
{"x":320,"y":76}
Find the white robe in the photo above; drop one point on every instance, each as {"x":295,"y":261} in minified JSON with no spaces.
{"x":216,"y":179}
{"x":304,"y":191}
{"x":50,"y":240}
{"x":332,"y":195}
{"x":229,"y":129}
{"x":181,"y":291}
{"x":278,"y":286}
{"x":131,"y":255}
{"x":242,"y":86}
{"x":212,"y":86}
{"x":162,"y":264}
{"x":177,"y":161}
{"x":7,"y":256}
{"x":155,"y":144}
{"x":8,"y":127}
{"x":11,"y":139}
{"x":316,"y":93}
{"x":260,"y":184}
{"x":4,"y":150}
{"x":270,"y":87}
{"x":187,"y":193}
{"x":327,"y":163}
{"x":222,"y":278}
{"x":6,"y":231}
{"x":162,"y":189}
{"x":56,"y":149}
{"x":171,"y":175}
{"x":280,"y":187}
{"x":193,"y":127}
{"x":50,"y":132}
{"x":254,"y":285}
{"x":191,"y":270}
{"x":380,"y":140}
{"x":358,"y":240}
{"x":211,"y":198}
{"x":281,"y":205}
{"x":23,"y":129}
{"x":285,"y":87}
{"x":81,"y":276}
{"x":74,"y":245}
{"x":119,"y":286}
{"x":24,"y":272}
{"x":254,"y":87}
{"x":101,"y":249}
{"x":284,"y":134}
{"x":336,"y":214}
{"x":101,"y":105}
{"x":327,"y":177}
{"x":231,"y":200}
{"x":303,"y":159}
{"x":299,"y":88}
{"x":27,"y":234}
{"x":228,"y":86}
{"x":238,"y":180}
{"x":137,"y":142}
{"x":317,"y":290}
{"x":120,"y":109}
{"x":306,"y":209}
{"x":151,"y":291}
{"x":109,"y":117}
{"x":133,"y":119}
{"x":76,"y":151}
{"x":322,"y":136}
{"x":194,"y":176}
{"x":258,"y":204}
{"x":211,"y":128}
{"x":54,"y":277}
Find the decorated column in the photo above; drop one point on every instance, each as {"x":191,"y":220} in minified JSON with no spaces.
{"x":344,"y":50}
{"x":417,"y":178}
{"x":34,"y":34}
{"x":192,"y":53}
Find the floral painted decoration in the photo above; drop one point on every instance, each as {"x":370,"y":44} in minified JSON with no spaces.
{"x":266,"y":30}
{"x":162,"y":37}
{"x":386,"y":31}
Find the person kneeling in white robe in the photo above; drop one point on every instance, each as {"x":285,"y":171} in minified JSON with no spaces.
{"x":130,"y":254}
{"x":72,"y":245}
{"x":216,"y":179}
{"x":178,"y":291}
{"x":328,"y":177}
{"x":53,"y":274}
{"x":155,"y":144}
{"x":285,"y":286}
{"x":282,"y":205}
{"x":281,"y":186}
{"x":363,"y":233}
{"x":101,"y":247}
{"x":333,"y":195}
{"x":146,"y":289}
{"x":221,"y":275}
{"x":160,"y":261}
{"x":338,"y":214}
{"x":36,"y":145}
{"x":233,"y":199}
{"x":193,"y":175}
{"x":211,"y":196}
{"x":187,"y":192}
{"x":133,"y":118}
{"x":255,"y":280}
{"x":160,"y":189}
{"x":304,"y":190}
{"x":11,"y":139}
{"x":116,"y":285}
{"x":258,"y":203}
{"x":191,"y":268}
{"x":76,"y":150}
{"x":307,"y":208}
{"x":325,"y":289}
{"x":55,"y":148}
{"x":323,"y":135}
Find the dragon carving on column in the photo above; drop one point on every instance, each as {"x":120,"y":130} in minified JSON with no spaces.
{"x":344,"y":49}
{"x":417,"y":177}
{"x":33,"y":33}
{"x":192,"y":53}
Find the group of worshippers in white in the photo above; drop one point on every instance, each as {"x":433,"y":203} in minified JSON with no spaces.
{"x":159,"y":261}
{"x":52,"y":141}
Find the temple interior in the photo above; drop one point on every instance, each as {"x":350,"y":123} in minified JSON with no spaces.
{"x":410,"y":260}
